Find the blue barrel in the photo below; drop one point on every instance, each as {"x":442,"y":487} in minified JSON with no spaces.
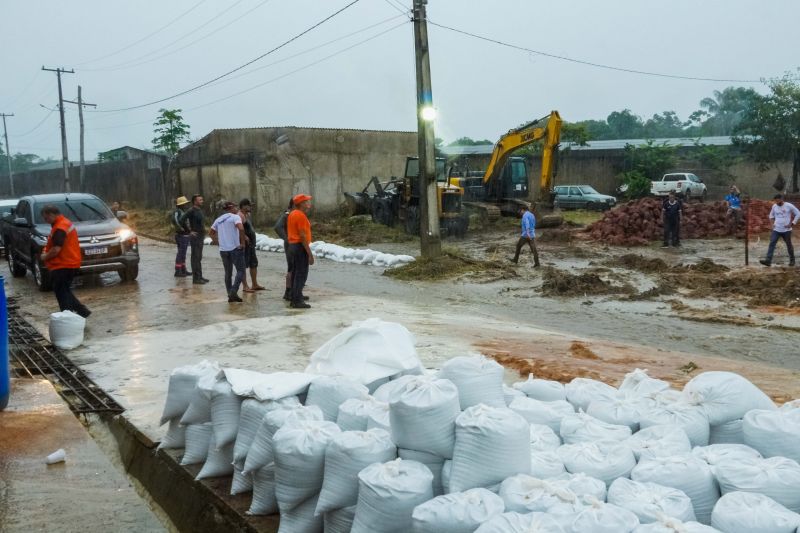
{"x":5,"y":370}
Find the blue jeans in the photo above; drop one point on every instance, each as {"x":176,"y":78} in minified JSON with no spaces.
{"x":234,"y":258}
{"x":183,"y":244}
{"x":773,"y":240}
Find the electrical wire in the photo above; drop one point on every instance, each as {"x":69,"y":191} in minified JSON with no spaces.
{"x":405,"y":12}
{"x":37,"y":126}
{"x":131,"y":45}
{"x":589,"y":63}
{"x":240,"y":67}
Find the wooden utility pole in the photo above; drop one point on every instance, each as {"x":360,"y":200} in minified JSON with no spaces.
{"x":430,"y":240}
{"x":8,"y":153}
{"x":64,"y":155}
{"x":80,"y":103}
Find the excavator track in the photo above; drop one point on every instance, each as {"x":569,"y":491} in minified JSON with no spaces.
{"x":487,"y":211}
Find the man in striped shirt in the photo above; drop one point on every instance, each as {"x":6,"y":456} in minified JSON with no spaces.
{"x":528,"y":235}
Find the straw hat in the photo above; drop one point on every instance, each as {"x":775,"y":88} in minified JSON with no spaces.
{"x":182,"y":200}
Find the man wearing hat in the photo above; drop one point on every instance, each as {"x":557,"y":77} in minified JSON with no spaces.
{"x":182,"y":235}
{"x":298,"y":235}
{"x":229,"y":230}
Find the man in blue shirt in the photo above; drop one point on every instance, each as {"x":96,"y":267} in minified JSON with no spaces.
{"x":528,"y":235}
{"x":734,"y":214}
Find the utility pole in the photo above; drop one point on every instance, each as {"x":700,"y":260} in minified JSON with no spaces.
{"x":430,"y":240}
{"x":64,"y":155}
{"x":8,"y":153}
{"x":80,"y":103}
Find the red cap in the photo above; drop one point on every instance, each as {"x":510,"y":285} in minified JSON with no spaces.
{"x":300,"y":198}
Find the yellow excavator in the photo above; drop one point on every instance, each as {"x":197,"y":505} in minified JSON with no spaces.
{"x":503,"y":187}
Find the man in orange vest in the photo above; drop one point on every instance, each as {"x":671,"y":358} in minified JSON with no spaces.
{"x":62,"y":257}
{"x":298,"y":233}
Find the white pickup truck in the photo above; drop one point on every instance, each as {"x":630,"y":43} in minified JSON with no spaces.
{"x":684,"y":184}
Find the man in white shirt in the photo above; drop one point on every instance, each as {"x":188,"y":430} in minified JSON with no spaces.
{"x":229,"y":231}
{"x":784,"y":216}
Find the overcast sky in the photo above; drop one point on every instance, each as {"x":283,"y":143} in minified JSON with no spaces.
{"x":129,"y":53}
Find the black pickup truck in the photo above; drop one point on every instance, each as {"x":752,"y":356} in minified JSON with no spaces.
{"x":106,"y":243}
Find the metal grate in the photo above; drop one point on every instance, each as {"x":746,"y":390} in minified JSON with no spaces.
{"x":33,"y":356}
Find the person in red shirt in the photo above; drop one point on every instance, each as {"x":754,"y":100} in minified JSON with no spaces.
{"x":62,"y":257}
{"x":298,"y":235}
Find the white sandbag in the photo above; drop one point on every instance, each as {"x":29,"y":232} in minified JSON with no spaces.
{"x":243,"y":382}
{"x":491,"y":444}
{"x":727,"y":433}
{"x":354,"y":412}
{"x":605,"y":460}
{"x":691,"y":418}
{"x":241,"y":483}
{"x":546,"y":464}
{"x":525,"y":494}
{"x":340,"y":520}
{"x":714,"y":454}
{"x":226,"y":408}
{"x":581,"y":391}
{"x":198,"y":437}
{"x":539,"y":412}
{"x":250,"y":419}
{"x":668,"y":397}
{"x":264,"y":502}
{"x":648,"y":500}
{"x":378,"y":418}
{"x":660,"y":440}
{"x":666,"y":524}
{"x":541,"y":389}
{"x":510,"y":393}
{"x":725,"y":396}
{"x":219,"y":461}
{"x":299,"y":452}
{"x":434,"y":463}
{"x":301,"y":518}
{"x":175,"y":436}
{"x":478,"y":379}
{"x":790,"y":405}
{"x":447,"y":469}
{"x":277,"y":385}
{"x":384,"y":392}
{"x":582,"y":485}
{"x":260,"y":452}
{"x":459,"y":512}
{"x":373,"y":385}
{"x":422,"y":414}
{"x":182,"y":382}
{"x":683,"y":472}
{"x":776,"y":477}
{"x":366,"y":351}
{"x":640,"y":384}
{"x":388,"y":494}
{"x":521,"y":523}
{"x":347,"y":454}
{"x":773,"y":433}
{"x":624,"y":409}
{"x":199,"y":410}
{"x":66,"y":329}
{"x":602,"y":517}
{"x":328,"y":393}
{"x":580,"y":427}
{"x":543,"y":438}
{"x":747,"y":512}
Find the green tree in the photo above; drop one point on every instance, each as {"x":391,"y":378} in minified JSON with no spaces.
{"x":666,"y":124}
{"x":769,"y":131}
{"x":466,"y":141}
{"x":170,"y":131}
{"x":577,"y":133}
{"x":643,"y":164}
{"x":721,"y":113}
{"x":625,"y":125}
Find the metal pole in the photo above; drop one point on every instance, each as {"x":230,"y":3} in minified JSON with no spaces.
{"x":64,"y":154}
{"x":8,"y":154}
{"x":430,"y":240}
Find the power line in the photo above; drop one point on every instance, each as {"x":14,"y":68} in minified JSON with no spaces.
{"x":589,"y":63}
{"x":37,"y":126}
{"x":240,"y":67}
{"x":131,"y":45}
{"x":399,"y":9}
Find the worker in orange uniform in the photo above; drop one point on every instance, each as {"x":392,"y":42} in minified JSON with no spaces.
{"x":62,"y":257}
{"x":298,"y":233}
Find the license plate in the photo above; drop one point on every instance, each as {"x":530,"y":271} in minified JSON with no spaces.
{"x":96,"y":251}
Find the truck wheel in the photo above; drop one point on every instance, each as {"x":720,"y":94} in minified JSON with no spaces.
{"x":412,"y":221}
{"x":41,"y":276}
{"x":130,"y":273}
{"x":17,"y":269}
{"x":382,"y":213}
{"x":591,"y":206}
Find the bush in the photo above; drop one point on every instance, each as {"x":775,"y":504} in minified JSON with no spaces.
{"x":636,"y":184}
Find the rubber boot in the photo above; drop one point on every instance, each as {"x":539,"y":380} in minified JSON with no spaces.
{"x":186,"y":272}
{"x":287,"y":295}
{"x":180,"y":273}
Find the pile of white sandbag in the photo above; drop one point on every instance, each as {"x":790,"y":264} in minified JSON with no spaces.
{"x":395,"y":448}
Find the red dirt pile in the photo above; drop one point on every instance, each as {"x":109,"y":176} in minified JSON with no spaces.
{"x":638,"y":222}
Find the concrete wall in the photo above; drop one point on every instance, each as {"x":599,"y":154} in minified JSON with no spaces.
{"x":270,"y":165}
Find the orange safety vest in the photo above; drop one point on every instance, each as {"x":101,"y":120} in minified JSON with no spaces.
{"x":70,"y":254}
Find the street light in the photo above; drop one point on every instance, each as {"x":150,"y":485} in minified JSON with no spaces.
{"x":428,"y":113}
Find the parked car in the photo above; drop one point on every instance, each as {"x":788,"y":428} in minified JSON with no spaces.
{"x":6,"y":207}
{"x":685,"y":184}
{"x":581,"y":197}
{"x":106,"y":243}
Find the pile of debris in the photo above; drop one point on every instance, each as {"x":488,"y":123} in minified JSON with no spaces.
{"x":639,"y":222}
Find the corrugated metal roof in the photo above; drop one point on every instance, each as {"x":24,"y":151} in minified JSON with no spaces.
{"x":310,"y":128}
{"x":478,"y":149}
{"x":619,"y":144}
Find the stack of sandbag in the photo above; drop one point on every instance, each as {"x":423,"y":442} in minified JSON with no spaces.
{"x":773,"y":432}
{"x":260,"y":453}
{"x":659,"y":441}
{"x":510,"y":394}
{"x":329,"y":392}
{"x":545,"y":462}
{"x":521,"y":523}
{"x":198,"y":437}
{"x":182,"y":382}
{"x":667,"y":524}
{"x":250,"y":420}
{"x":226,"y":409}
{"x":748,"y":512}
{"x":458,"y":512}
{"x":354,"y":413}
{"x":623,"y":409}
{"x":638,"y":383}
{"x":524,"y":494}
{"x":648,"y":500}
{"x":478,"y":379}
{"x":491,"y":444}
{"x":775,"y":477}
{"x":581,"y":391}
{"x":387,"y":495}
{"x":686,"y":473}
{"x":713,"y":454}
{"x":604,"y":517}
{"x":541,"y":389}
{"x":580,"y":427}
{"x":541,"y":412}
{"x":606,"y":460}
{"x":219,"y":459}
{"x":435,"y":464}
{"x":692,"y":419}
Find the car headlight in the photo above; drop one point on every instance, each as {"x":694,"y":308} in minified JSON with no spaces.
{"x":126,"y":234}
